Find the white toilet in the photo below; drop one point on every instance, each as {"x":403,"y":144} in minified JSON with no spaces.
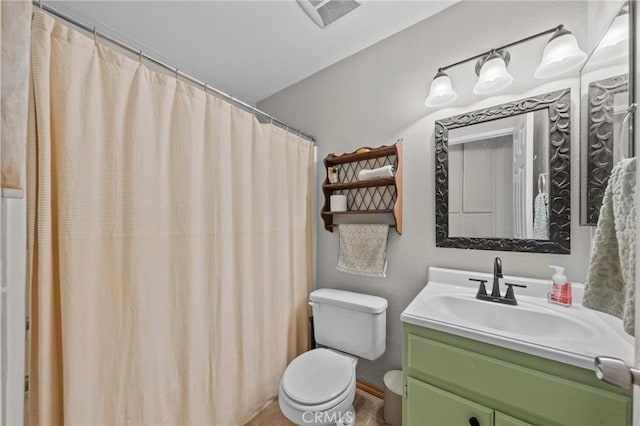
{"x":319,"y":386}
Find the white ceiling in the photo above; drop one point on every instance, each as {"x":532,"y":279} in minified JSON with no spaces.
{"x":249,"y":49}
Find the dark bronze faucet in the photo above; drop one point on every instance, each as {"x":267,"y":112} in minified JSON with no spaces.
{"x":508,"y":299}
{"x":497,"y":274}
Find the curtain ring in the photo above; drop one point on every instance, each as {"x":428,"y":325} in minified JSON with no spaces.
{"x":271,"y":120}
{"x":205,"y":88}
{"x":40,"y":4}
{"x":95,"y":35}
{"x":177,"y":73}
{"x":140,"y":57}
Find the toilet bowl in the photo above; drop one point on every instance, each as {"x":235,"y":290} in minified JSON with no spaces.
{"x":318,"y":388}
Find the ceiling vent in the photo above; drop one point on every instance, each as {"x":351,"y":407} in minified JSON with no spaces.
{"x":325,"y":12}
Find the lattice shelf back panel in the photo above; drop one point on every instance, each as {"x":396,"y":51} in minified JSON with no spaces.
{"x":369,"y":198}
{"x":349,"y":171}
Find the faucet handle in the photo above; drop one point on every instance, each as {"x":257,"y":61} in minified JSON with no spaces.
{"x":510,"y":294}
{"x":516,"y":285}
{"x":482,"y":290}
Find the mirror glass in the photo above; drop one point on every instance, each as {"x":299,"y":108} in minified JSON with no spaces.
{"x":503,"y":176}
{"x":606,"y":130}
{"x":499,"y":177}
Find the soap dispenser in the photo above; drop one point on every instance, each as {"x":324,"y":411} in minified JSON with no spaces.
{"x":561,"y":293}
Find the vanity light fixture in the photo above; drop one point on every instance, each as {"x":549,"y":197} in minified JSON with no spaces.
{"x":561,"y":55}
{"x":615,"y":42}
{"x":441,"y":91}
{"x":492,"y":73}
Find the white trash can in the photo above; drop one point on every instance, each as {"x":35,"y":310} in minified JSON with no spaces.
{"x":393,"y":397}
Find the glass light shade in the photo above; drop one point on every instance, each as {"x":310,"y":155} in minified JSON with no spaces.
{"x":441,"y":91}
{"x":615,"y":43}
{"x":561,"y":55}
{"x":493,"y":77}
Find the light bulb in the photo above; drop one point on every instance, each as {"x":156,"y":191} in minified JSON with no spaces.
{"x":441,"y":92}
{"x":493,"y":76}
{"x":561,"y":55}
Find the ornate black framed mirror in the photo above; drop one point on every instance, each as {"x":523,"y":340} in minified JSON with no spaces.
{"x":605,"y":117}
{"x":607,"y":106}
{"x":503,"y":176}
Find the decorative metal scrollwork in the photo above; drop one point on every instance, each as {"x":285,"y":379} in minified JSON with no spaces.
{"x":558,"y":104}
{"x":600,"y":140}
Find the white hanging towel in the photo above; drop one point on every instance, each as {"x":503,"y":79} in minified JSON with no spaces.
{"x":541,"y":217}
{"x":611,"y":278}
{"x":363,"y":249}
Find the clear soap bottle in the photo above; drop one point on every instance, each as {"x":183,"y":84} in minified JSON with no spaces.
{"x":561,"y":293}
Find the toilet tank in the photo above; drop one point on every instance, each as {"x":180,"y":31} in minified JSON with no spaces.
{"x":350,"y":322}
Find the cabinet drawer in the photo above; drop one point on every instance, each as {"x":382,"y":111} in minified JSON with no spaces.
{"x":428,"y":405}
{"x":514,"y":388}
{"x":504,"y":420}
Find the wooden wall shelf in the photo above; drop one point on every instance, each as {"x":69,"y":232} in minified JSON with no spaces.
{"x":375,"y":196}
{"x":361,"y":184}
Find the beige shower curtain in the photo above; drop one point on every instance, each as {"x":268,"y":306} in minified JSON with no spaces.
{"x":169,"y":240}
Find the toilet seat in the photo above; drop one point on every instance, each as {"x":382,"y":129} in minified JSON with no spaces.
{"x":337,"y":408}
{"x":320,"y":377}
{"x":347,"y":396}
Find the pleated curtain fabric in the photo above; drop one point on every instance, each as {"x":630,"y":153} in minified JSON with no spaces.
{"x":170,"y":244}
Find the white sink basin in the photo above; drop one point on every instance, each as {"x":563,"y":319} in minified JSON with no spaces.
{"x":526,"y":319}
{"x":573,"y":335}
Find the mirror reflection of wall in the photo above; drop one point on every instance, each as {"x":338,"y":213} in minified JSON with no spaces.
{"x":498,"y":178}
{"x":605,"y":120}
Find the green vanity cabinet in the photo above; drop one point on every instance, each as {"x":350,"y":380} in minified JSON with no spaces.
{"x":450,"y":379}
{"x":428,"y":405}
{"x":502,"y":419}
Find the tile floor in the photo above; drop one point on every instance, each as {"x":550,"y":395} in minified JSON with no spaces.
{"x":368,"y":412}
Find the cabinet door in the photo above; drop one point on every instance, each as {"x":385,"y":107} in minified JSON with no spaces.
{"x":504,"y":420}
{"x":556,"y":399}
{"x":430,"y":406}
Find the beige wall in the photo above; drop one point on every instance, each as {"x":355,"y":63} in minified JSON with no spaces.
{"x":13,"y":244}
{"x":377,"y":96}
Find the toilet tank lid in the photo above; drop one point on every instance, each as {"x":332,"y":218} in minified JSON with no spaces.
{"x":349,"y":299}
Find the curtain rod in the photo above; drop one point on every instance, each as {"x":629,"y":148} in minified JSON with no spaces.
{"x":247,"y":107}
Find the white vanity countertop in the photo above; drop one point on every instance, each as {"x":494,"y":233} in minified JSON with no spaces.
{"x":572,"y":335}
